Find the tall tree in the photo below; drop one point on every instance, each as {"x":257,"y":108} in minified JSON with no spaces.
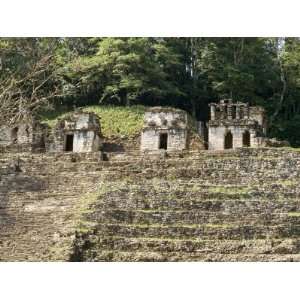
{"x":28,"y":79}
{"x":126,"y":69}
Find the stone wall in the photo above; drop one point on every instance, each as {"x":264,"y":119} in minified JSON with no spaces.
{"x":237,"y":119}
{"x":86,"y":141}
{"x":83,"y":127}
{"x":29,"y":135}
{"x":217,"y":137}
{"x":6,"y":136}
{"x":169,"y":121}
{"x":257,"y":113}
{"x":177,"y":139}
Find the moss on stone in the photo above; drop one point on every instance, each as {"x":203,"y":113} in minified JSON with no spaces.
{"x":294,"y":214}
{"x":116,"y":121}
{"x":230,"y":190}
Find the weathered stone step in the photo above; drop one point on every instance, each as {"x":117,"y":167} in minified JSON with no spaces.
{"x":255,"y":205}
{"x":53,"y":196}
{"x":261,"y":153}
{"x":190,"y":217}
{"x":119,"y":256}
{"x":217,"y":176}
{"x":208,"y":231}
{"x":180,"y":199}
{"x":279,"y":246}
{"x":58,"y":183}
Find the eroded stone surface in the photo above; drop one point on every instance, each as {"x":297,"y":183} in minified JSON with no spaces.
{"x":23,"y":136}
{"x":164,"y":129}
{"x":78,"y":132}
{"x":234,"y":125}
{"x":239,"y":205}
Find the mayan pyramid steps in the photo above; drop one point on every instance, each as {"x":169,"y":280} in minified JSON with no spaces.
{"x":236,"y":205}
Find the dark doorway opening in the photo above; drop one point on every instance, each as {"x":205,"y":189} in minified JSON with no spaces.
{"x":163,"y":141}
{"x":42,"y":143}
{"x":228,"y":140}
{"x":14,"y":135}
{"x":233,"y":112}
{"x":246,"y":139}
{"x":27,"y":131}
{"x":69,"y":142}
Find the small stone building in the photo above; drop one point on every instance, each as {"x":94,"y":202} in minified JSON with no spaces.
{"x":78,"y":132}
{"x":234,"y":125}
{"x":164,"y":128}
{"x":26,"y":135}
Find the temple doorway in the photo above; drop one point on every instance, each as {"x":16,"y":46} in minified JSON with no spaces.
{"x":69,"y":142}
{"x":228,"y":140}
{"x":246,"y":139}
{"x":163,"y":141}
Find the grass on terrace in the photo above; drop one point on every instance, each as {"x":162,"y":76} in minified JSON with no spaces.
{"x":116,"y":121}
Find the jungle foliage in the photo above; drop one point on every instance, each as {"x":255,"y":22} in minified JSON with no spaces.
{"x":39,"y":73}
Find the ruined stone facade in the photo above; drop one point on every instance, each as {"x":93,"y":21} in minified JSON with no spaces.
{"x":164,"y":129}
{"x":79,"y":132}
{"x":235,"y":125}
{"x":23,"y":136}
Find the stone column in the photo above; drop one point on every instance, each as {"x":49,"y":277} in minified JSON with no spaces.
{"x":246,"y":111}
{"x":229,"y":112}
{"x":223,"y":111}
{"x":212,"y":112}
{"x":238,"y":112}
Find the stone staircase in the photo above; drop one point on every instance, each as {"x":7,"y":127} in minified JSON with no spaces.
{"x":233,"y":206}
{"x":37,"y":204}
{"x":241,"y":205}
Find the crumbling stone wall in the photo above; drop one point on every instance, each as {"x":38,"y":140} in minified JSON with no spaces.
{"x":237,"y":119}
{"x":23,"y":136}
{"x":84,"y":130}
{"x":217,"y":135}
{"x":169,"y":121}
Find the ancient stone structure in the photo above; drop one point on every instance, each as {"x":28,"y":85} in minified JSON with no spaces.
{"x":242,"y":205}
{"x":234,"y":125}
{"x":78,"y":132}
{"x":164,"y":129}
{"x":23,"y":136}
{"x":204,"y":206}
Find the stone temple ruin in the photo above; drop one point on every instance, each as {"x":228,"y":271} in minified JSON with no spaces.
{"x":192,"y":206}
{"x":231,"y":126}
{"x":27,"y":135}
{"x":235,"y":125}
{"x":164,"y":129}
{"x":79,"y":132}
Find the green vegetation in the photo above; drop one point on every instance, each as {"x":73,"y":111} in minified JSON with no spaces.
{"x":230,"y":190}
{"x":116,"y":121}
{"x":288,"y":182}
{"x":160,"y":225}
{"x":292,"y":149}
{"x":84,"y":207}
{"x":187,"y":73}
{"x":294,"y":214}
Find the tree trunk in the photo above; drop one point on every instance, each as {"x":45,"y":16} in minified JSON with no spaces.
{"x":284,"y":85}
{"x":124,"y":98}
{"x":194,"y":109}
{"x":194,"y":77}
